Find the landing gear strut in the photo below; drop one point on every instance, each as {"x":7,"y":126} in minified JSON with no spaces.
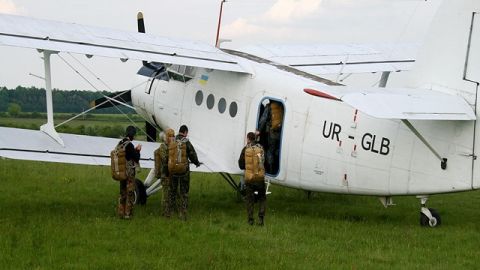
{"x":140,"y":193}
{"x":428,"y":216}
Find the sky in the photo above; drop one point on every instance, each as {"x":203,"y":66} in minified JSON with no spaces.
{"x":244,"y":22}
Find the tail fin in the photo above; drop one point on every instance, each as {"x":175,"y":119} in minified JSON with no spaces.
{"x":450,"y":58}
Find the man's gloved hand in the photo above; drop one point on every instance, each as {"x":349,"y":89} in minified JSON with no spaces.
{"x":200,"y":163}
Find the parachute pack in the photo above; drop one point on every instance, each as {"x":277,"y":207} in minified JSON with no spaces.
{"x":177,"y":157}
{"x":254,"y":169}
{"x":119,"y":161}
{"x":277,"y":115}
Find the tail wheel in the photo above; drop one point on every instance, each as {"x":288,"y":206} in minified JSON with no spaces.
{"x":434,"y":222}
{"x":140,"y":193}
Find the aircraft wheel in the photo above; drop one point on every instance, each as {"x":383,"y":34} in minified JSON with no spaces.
{"x":434,"y":222}
{"x":140,"y":193}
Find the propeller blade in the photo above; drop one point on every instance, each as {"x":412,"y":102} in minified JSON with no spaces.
{"x":140,"y":23}
{"x":141,"y":28}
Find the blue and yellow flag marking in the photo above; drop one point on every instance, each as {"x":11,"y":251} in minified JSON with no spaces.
{"x":203,"y":79}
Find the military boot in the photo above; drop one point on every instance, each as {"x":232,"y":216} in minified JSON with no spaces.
{"x":260,"y":221}
{"x":120,"y":210}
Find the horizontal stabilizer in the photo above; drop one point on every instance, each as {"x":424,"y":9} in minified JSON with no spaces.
{"x":400,"y":103}
{"x":40,"y":34}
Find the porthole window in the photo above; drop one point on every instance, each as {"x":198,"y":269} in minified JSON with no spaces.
{"x":210,"y":101}
{"x":222,"y":105}
{"x":199,"y":97}
{"x":233,"y":109}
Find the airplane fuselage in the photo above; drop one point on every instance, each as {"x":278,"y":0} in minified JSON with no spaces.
{"x":326,"y":145}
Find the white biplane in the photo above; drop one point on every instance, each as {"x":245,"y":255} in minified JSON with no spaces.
{"x":419,"y":139}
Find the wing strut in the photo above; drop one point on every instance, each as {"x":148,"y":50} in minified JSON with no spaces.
{"x":230,"y":181}
{"x":443,"y":161}
{"x":384,"y":79}
{"x":49,"y":128}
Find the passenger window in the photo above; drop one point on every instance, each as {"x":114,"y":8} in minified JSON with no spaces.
{"x":233,"y":109}
{"x":222,"y":105}
{"x":210,"y":101}
{"x":199,"y":97}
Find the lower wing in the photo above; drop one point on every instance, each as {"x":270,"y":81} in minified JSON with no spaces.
{"x":36,"y":145}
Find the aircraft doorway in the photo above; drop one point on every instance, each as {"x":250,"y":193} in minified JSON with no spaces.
{"x":271,"y":115}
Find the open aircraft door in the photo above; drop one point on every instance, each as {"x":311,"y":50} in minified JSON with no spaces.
{"x":276,"y":153}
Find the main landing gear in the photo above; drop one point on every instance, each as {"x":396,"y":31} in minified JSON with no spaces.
{"x":428,"y":216}
{"x":140,"y":193}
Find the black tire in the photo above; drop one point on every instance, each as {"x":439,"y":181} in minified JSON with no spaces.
{"x":425,"y":222}
{"x":140,"y":193}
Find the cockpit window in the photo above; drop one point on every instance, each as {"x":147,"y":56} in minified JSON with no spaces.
{"x":161,"y":71}
{"x":154,"y":70}
{"x":181,"y":73}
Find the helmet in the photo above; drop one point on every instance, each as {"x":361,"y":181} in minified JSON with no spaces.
{"x":131,"y":131}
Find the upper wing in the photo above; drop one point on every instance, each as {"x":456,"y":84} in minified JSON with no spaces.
{"x":340,"y":58}
{"x":79,"y":149}
{"x":26,"y":32}
{"x":400,"y":103}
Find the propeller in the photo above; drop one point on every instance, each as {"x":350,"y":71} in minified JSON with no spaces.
{"x":140,"y":23}
{"x":141,"y":28}
{"x":149,"y":128}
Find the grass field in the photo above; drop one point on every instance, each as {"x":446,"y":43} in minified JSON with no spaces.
{"x":106,"y":125}
{"x":59,"y":216}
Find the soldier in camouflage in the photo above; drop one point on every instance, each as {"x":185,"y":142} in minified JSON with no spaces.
{"x":127,"y":187}
{"x":251,"y":188}
{"x":168,"y":137}
{"x":270,"y":137}
{"x":183,"y":180}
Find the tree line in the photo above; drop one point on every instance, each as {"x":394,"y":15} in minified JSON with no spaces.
{"x":32,"y":99}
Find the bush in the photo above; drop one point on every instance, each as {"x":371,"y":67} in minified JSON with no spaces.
{"x":14,"y":109}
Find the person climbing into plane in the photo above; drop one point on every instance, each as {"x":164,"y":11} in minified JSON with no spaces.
{"x":269,"y":131}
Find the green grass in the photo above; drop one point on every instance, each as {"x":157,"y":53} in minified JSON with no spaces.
{"x":105,"y":125}
{"x":59,"y":216}
{"x":97,"y":120}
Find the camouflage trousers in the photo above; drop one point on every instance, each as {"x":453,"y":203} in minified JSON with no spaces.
{"x":261,"y":198}
{"x":184,"y":182}
{"x":166,"y":207}
{"x":127,"y":193}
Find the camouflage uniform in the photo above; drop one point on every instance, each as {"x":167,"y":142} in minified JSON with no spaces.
{"x":250,"y":189}
{"x":272,"y":142}
{"x":166,"y":183}
{"x":127,"y":187}
{"x":183,"y":180}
